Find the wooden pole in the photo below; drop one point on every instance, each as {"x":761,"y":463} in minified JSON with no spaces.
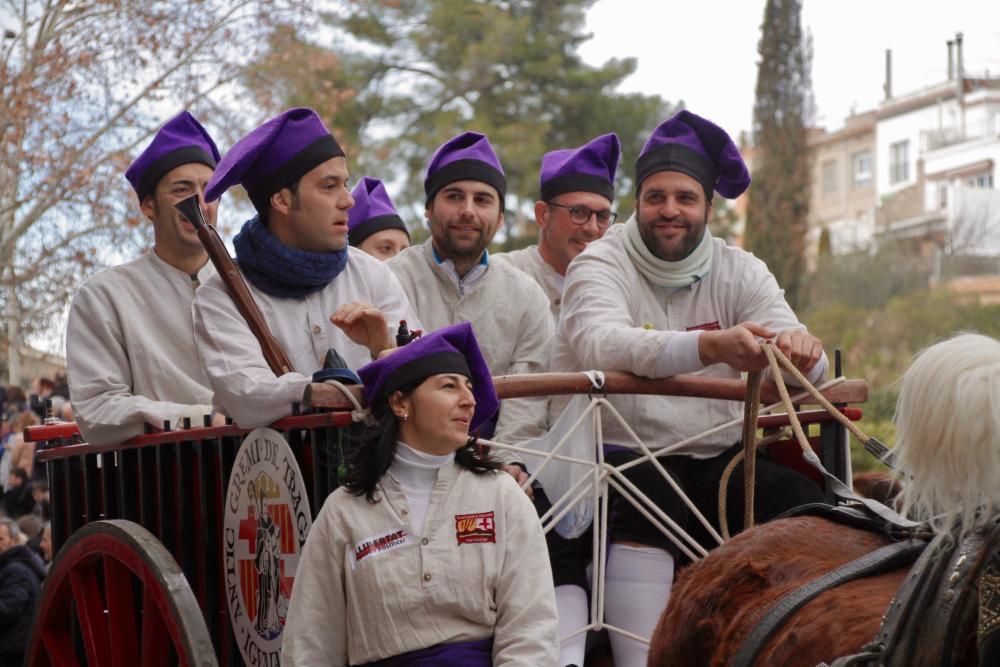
{"x":556,"y":384}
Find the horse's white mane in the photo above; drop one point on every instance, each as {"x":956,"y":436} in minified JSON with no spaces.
{"x":948,"y":433}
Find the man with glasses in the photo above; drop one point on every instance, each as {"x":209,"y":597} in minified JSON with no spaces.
{"x":576,"y":190}
{"x":573,"y":209}
{"x":658,"y":296}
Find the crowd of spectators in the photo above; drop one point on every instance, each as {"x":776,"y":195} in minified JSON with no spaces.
{"x":23,"y":485}
{"x":25,"y":534}
{"x":22,"y":571}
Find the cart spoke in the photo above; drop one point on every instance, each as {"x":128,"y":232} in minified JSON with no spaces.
{"x":122,"y":613}
{"x":59,"y":648}
{"x":155,"y":638}
{"x":90,"y":611}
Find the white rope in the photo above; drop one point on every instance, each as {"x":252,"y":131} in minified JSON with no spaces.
{"x":648,"y":455}
{"x":359,"y":413}
{"x":774,"y":356}
{"x":603,"y":477}
{"x":651,"y":458}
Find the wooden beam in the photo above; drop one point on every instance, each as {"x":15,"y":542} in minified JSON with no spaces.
{"x":553,"y":384}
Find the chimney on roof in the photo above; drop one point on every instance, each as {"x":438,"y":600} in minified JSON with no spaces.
{"x":960,"y":83}
{"x":951,"y":59}
{"x":959,"y":60}
{"x":887,"y":86}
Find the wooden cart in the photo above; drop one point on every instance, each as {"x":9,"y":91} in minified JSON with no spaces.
{"x":140,"y":577}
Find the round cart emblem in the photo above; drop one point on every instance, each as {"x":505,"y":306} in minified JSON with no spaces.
{"x":266,"y":521}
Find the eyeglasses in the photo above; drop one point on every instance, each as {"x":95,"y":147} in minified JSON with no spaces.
{"x":580,"y":215}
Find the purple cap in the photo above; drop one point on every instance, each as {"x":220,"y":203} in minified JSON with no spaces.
{"x":589,"y":168}
{"x":274,"y":156}
{"x":372,"y":212}
{"x":699,"y":148}
{"x":181,"y":140}
{"x":451,"y":349}
{"x":466,"y":157}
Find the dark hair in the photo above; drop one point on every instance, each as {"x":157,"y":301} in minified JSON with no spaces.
{"x":371,"y":457}
{"x":265,"y":208}
{"x":16,"y":395}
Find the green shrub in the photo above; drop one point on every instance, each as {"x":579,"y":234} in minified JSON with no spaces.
{"x":879,"y":342}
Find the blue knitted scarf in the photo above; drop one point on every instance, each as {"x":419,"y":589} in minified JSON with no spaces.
{"x":278,"y":270}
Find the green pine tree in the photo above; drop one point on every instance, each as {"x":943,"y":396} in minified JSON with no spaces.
{"x":402,"y":76}
{"x":777,"y":224}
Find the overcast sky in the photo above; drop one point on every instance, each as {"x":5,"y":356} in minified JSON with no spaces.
{"x":705,"y":52}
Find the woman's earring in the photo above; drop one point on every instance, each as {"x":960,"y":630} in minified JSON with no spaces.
{"x":404,"y":416}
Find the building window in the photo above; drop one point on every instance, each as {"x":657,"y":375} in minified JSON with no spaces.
{"x":899,"y":162}
{"x":983,"y":180}
{"x":862,"y":169}
{"x":829,"y":177}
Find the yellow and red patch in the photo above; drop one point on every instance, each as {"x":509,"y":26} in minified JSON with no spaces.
{"x":475,"y":528}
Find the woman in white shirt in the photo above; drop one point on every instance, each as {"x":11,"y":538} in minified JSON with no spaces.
{"x":428,"y":555}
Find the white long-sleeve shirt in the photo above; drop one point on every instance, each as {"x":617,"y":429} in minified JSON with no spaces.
{"x":509,"y":314}
{"x":614,"y":319}
{"x":245,"y":387}
{"x":130,"y":350}
{"x":530,"y":261}
{"x":368,"y":587}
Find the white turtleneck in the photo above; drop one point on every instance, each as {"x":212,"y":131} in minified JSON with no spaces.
{"x":416,"y":473}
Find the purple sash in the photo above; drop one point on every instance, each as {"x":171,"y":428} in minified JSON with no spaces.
{"x":476,"y":653}
{"x":610,"y":448}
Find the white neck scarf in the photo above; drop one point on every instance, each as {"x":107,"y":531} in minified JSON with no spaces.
{"x":662,"y":273}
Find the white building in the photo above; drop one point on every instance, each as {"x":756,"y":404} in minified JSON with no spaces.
{"x":938,"y":150}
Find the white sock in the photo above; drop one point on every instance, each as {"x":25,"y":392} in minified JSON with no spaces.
{"x":636,"y":591}
{"x":571,"y":603}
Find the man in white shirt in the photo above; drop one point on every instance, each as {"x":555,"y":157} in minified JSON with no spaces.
{"x":315,"y":292}
{"x":576,"y":191}
{"x":449,"y":278}
{"x":129,"y":341}
{"x":658,"y":296}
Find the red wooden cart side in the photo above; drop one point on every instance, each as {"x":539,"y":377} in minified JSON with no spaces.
{"x":153,"y":591}
{"x":172,"y":483}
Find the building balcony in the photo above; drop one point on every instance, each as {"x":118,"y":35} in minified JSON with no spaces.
{"x":931,"y":140}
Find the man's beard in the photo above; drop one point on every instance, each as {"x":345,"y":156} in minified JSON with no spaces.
{"x":688,"y":245}
{"x":455,"y":250}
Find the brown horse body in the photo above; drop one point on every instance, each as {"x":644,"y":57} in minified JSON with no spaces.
{"x":716,"y":602}
{"x":880,"y":486}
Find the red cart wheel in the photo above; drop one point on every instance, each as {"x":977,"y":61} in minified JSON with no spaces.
{"x":115,"y":596}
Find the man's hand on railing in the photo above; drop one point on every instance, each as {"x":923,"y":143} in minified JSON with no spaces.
{"x":738,"y":347}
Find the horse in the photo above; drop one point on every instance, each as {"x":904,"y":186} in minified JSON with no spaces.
{"x":943,"y":610}
{"x":877,"y":485}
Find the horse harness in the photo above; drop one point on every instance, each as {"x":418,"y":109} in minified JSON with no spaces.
{"x":933,"y":612}
{"x":911,"y":543}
